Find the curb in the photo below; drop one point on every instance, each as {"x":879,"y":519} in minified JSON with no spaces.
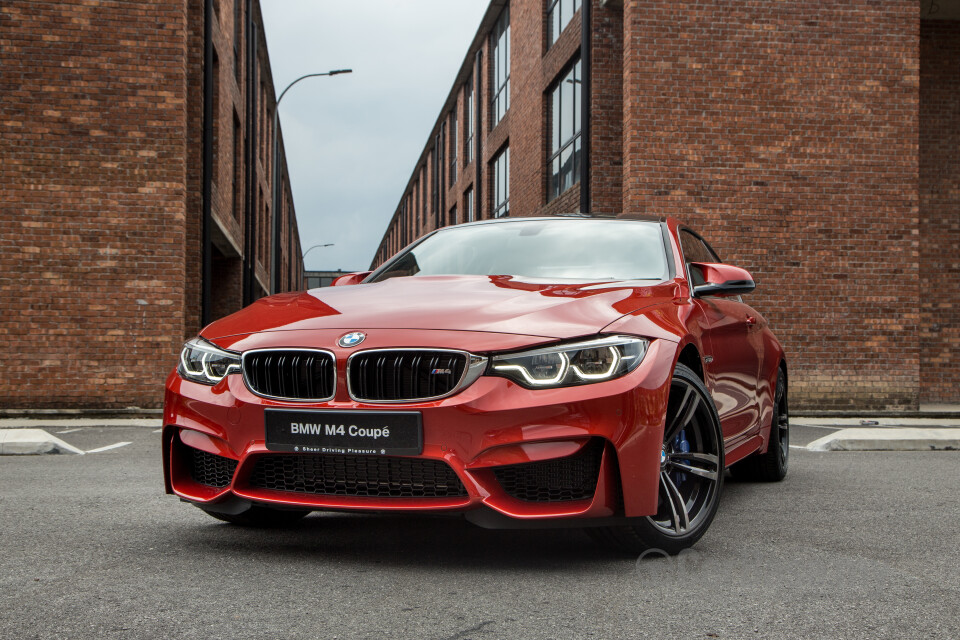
{"x":28,"y":442}
{"x":60,"y":422}
{"x":889,"y":439}
{"x":875,"y":422}
{"x":68,"y":414}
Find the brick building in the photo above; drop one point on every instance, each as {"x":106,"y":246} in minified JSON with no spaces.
{"x":135,"y":191}
{"x":317,"y":279}
{"x":816,"y":144}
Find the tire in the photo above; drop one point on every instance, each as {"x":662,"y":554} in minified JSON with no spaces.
{"x":260,"y":516}
{"x":691,"y":480}
{"x":770,"y":466}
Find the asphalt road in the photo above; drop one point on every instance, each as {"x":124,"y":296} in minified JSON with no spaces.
{"x":851,"y":545}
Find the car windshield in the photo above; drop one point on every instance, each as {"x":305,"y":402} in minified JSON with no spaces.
{"x":596,"y":250}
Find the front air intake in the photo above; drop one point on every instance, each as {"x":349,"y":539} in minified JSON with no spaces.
{"x":290,"y":374}
{"x":357,"y":476}
{"x":210,"y":469}
{"x":558,"y":480}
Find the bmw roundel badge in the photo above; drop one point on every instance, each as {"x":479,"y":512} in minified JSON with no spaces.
{"x":351,"y":339}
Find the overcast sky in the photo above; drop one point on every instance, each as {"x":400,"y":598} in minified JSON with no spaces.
{"x":352,"y":140}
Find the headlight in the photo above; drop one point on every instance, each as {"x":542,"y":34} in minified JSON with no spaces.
{"x":572,"y":364}
{"x":202,"y":362}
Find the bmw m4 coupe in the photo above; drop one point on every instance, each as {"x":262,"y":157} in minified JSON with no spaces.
{"x":581,"y":371}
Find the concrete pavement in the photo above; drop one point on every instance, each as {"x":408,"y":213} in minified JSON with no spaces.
{"x":852,"y":545}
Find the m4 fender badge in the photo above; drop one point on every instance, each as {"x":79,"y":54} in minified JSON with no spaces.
{"x":351,"y":339}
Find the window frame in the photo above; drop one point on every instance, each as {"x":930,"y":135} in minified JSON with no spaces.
{"x":557,"y":148}
{"x":500,"y":209}
{"x":469,"y":104}
{"x":500,"y":86}
{"x":552,"y":34}
{"x":453,"y":141}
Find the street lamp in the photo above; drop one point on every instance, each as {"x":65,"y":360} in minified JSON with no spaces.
{"x":275,"y":223}
{"x":316,"y":246}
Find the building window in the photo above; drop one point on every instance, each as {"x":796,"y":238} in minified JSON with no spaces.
{"x":500,"y":59}
{"x":416,"y":208}
{"x":237,"y":35}
{"x":468,"y":205}
{"x":468,"y":121}
{"x":436,"y":161}
{"x":236,"y":194}
{"x":501,"y":184}
{"x":454,"y":141}
{"x":565,"y":133}
{"x":218,"y":150}
{"x":452,"y":217}
{"x":560,"y":14}
{"x":262,"y":111}
{"x":411,"y":226}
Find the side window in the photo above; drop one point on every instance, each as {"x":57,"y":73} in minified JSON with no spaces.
{"x":695,"y":250}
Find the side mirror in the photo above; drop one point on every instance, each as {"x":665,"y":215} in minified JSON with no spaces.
{"x":722,"y":280}
{"x":350,"y":278}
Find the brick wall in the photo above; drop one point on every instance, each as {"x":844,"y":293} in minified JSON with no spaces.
{"x":788,"y":134}
{"x":939,"y":210}
{"x":193,"y":246}
{"x":101,"y":129}
{"x":606,"y":133}
{"x":93,"y":136}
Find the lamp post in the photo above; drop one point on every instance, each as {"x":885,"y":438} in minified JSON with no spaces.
{"x":275,"y":222}
{"x":316,"y":246}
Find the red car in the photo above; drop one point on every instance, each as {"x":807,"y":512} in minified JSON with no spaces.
{"x":583,"y":371}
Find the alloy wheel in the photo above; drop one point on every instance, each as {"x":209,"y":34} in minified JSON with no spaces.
{"x":782,"y":421}
{"x":690,"y":468}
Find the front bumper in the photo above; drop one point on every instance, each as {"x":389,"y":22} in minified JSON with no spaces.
{"x":591,"y":451}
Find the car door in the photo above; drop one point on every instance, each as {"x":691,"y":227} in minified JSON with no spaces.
{"x":732,"y":340}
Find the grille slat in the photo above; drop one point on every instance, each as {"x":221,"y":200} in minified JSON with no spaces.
{"x":397,"y":377}
{"x":381,"y":370}
{"x":362,"y":379}
{"x":293,"y":374}
{"x":558,"y":480}
{"x":210,"y":469}
{"x":360,"y":476}
{"x":405,"y":375}
{"x":432,"y":378}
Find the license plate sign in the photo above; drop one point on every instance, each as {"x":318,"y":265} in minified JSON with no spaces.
{"x":344,"y":432}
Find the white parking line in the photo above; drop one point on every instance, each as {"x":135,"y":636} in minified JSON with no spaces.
{"x":815,"y":426}
{"x":109,"y":446}
{"x":158,"y":430}
{"x":70,"y":430}
{"x":793,"y":446}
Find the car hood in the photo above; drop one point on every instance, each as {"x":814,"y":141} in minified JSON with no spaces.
{"x":499,"y":304}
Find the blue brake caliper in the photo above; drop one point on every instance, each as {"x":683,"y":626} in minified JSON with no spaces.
{"x":680,"y":445}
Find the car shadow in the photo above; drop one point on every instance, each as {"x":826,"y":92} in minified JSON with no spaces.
{"x":423,"y":540}
{"x":420,"y":540}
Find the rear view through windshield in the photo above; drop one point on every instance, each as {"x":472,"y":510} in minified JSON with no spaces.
{"x":548,"y":249}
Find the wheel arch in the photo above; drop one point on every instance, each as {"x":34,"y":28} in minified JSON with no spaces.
{"x":690,"y":356}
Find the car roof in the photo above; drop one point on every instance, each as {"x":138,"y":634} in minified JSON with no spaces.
{"x":567,"y":216}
